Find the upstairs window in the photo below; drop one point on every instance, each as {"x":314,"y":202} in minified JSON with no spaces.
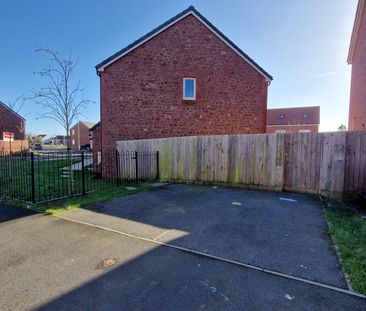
{"x":189,"y":89}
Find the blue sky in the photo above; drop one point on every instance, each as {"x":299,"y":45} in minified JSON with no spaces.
{"x":303,"y":44}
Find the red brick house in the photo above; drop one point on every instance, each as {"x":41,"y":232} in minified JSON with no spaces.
{"x":357,"y":57}
{"x":12,"y":122}
{"x":292,"y":120}
{"x":183,"y":78}
{"x":95,"y":136}
{"x":79,"y":134}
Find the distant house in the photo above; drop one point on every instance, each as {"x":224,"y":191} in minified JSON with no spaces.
{"x":95,"y":137}
{"x":183,"y":78}
{"x":12,"y":122}
{"x":357,"y":57}
{"x":79,"y":134}
{"x":290,"y":120}
{"x":12,"y":131}
{"x":60,"y":140}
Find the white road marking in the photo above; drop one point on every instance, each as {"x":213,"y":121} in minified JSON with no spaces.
{"x":160,"y":235}
{"x":238,"y":263}
{"x":288,"y":200}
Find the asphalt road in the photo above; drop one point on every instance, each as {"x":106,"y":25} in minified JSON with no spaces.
{"x":53,"y":264}
{"x":283,"y":232}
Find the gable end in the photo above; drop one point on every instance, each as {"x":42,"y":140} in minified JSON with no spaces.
{"x":190,"y":11}
{"x":12,"y":111}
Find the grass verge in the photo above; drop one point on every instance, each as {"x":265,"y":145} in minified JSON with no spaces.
{"x":89,"y":199}
{"x":348,"y":230}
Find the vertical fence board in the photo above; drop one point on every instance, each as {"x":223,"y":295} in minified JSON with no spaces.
{"x":328,"y":163}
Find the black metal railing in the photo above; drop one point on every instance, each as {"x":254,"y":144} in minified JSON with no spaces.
{"x":45,"y":176}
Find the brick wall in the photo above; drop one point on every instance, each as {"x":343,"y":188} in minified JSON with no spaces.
{"x":14,"y":146}
{"x":96,"y":146}
{"x":10,"y":122}
{"x":357,"y":110}
{"x":292,"y":128}
{"x":141,"y":93}
{"x":96,"y":137}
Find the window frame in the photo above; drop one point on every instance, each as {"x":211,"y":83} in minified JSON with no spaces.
{"x":194,"y":89}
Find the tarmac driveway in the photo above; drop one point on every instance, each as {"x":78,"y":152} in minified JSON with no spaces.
{"x":282,"y":232}
{"x":49,"y":263}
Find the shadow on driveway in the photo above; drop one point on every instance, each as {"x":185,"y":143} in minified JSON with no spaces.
{"x":8,"y":213}
{"x":278,"y":231}
{"x":53,"y":264}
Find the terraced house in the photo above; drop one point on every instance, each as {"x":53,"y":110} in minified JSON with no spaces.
{"x":183,"y":78}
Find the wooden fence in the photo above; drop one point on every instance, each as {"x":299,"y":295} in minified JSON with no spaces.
{"x":328,"y":163}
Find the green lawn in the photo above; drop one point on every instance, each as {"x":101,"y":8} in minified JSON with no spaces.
{"x":15,"y":178}
{"x":348,"y":230}
{"x":15,"y":184}
{"x":101,"y":195}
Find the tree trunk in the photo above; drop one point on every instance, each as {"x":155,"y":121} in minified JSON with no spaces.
{"x":70,"y":177}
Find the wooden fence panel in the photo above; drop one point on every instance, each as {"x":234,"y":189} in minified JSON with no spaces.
{"x":355,"y":168}
{"x":327,"y":163}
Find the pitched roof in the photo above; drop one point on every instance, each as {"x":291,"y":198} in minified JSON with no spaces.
{"x":11,"y":110}
{"x":86,"y":123}
{"x":190,"y":10}
{"x":361,"y":7}
{"x":94,"y":127}
{"x":293,"y":116}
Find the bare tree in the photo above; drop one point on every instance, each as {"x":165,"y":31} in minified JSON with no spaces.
{"x":17,"y":104}
{"x":62,"y":99}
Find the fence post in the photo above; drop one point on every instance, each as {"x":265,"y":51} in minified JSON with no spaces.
{"x":157,"y":166}
{"x":117,"y":167}
{"x":136,"y":168}
{"x":32,"y":179}
{"x":83,"y":172}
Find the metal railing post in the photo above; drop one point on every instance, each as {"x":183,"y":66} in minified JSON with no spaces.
{"x":117,"y":167}
{"x":136,"y":168}
{"x":32,"y":179}
{"x":157,"y":166}
{"x":83,"y":172}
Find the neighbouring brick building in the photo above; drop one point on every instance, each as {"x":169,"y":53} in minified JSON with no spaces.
{"x":183,"y":78}
{"x":291,"y":120}
{"x":79,"y":134}
{"x":12,"y":122}
{"x":95,"y":136}
{"x":357,"y":57}
{"x":95,"y":144}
